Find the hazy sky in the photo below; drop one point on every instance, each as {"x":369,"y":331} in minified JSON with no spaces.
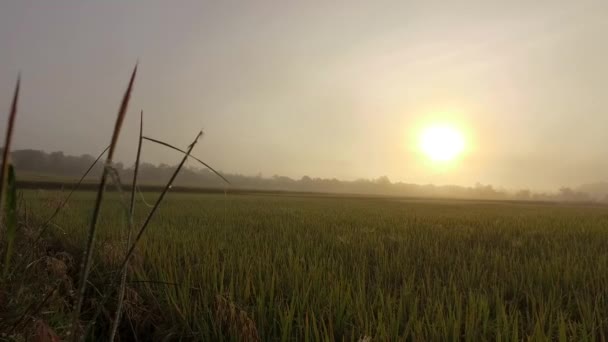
{"x":325,"y":89}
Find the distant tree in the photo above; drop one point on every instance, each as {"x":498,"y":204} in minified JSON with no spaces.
{"x":524,"y":194}
{"x":383,"y":181}
{"x":567,"y":194}
{"x":30,"y":160}
{"x":485,"y":191}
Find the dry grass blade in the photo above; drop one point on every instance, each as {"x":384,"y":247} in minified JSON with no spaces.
{"x":123,"y":280}
{"x":191,"y":156}
{"x":136,"y":171}
{"x":88,"y":253}
{"x":160,"y":199}
{"x":125,"y":261}
{"x":7,"y":142}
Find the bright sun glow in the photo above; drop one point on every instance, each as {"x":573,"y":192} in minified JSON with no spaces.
{"x":441,"y":143}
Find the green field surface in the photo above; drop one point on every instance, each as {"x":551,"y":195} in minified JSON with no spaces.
{"x":218,"y":267}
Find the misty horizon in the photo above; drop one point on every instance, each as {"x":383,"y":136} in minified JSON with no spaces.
{"x":41,"y":167}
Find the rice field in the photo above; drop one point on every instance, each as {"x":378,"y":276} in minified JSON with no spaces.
{"x":219,"y":267}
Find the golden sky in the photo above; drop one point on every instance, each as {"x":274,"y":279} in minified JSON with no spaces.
{"x":326,"y":90}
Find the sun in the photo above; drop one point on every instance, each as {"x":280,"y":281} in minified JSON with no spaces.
{"x":441,"y":143}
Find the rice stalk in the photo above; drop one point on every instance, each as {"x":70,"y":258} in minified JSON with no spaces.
{"x":123,"y":280}
{"x":11,"y":218}
{"x":7,"y":143}
{"x":88,"y":253}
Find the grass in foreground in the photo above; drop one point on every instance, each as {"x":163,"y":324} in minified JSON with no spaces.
{"x":212,"y":267}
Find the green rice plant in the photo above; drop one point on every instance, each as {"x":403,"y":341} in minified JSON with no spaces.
{"x":318,"y":267}
{"x":295,"y":267}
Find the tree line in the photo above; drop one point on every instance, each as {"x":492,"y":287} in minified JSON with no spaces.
{"x":64,"y":167}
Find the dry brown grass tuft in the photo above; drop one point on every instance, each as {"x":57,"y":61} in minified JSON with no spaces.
{"x":44,"y":333}
{"x":56,"y":267}
{"x":111,"y":253}
{"x":235,"y":321}
{"x":3,"y":300}
{"x":55,"y":201}
{"x":133,"y":306}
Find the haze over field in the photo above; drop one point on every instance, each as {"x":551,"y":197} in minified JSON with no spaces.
{"x":326,"y":90}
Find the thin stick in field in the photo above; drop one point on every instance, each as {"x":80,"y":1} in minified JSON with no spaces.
{"x":191,"y":156}
{"x":159,"y":200}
